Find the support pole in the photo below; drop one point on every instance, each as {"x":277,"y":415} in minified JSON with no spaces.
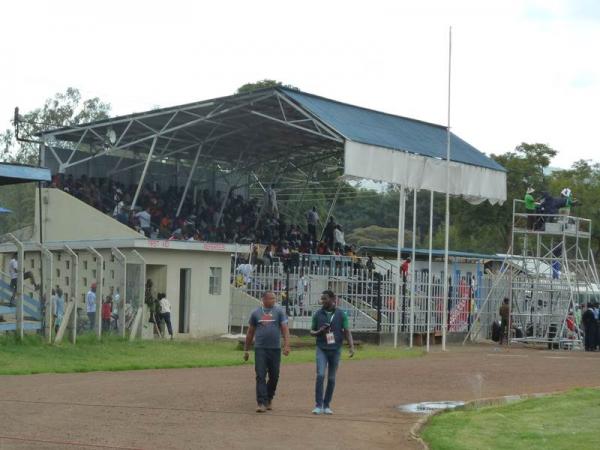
{"x":19,"y":295}
{"x":412,"y":270}
{"x":136,"y":329}
{"x":143,"y":177}
{"x":401,"y":206}
{"x":74,"y":297}
{"x":46,"y":292}
{"x":430,"y":275}
{"x":331,"y":208}
{"x":118,"y":254}
{"x":447,"y":227}
{"x":99,"y":283}
{"x":189,"y":180}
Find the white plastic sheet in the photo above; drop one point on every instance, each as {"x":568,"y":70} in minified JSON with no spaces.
{"x":475,"y":184}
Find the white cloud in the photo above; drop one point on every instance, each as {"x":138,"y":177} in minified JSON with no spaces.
{"x":522,"y":71}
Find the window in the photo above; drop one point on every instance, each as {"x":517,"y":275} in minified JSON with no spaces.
{"x":33,"y":263}
{"x":84,"y":264}
{"x":66,"y":281}
{"x":112,"y":274}
{"x":68,"y":264}
{"x":93,"y":273}
{"x":214,"y":281}
{"x":57,"y":273}
{"x":58,"y":256}
{"x":84,"y":281}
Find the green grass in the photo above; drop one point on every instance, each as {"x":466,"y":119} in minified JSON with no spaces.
{"x":564,"y":421}
{"x":113,"y":354}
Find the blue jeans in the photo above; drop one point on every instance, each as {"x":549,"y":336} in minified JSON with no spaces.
{"x":92,"y":320}
{"x":331,"y":359}
{"x":266,"y":362}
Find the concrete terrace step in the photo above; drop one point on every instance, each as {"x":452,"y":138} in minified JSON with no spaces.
{"x":27,"y":326}
{"x":4,"y":309}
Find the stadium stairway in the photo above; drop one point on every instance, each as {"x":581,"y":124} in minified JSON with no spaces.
{"x":31,"y":310}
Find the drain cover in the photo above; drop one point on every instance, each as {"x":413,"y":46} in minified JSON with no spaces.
{"x":429,"y":407}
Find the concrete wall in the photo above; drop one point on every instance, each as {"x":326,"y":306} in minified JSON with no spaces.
{"x":209,"y":314}
{"x":67,"y":218}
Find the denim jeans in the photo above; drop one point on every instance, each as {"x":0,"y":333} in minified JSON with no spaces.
{"x":92,"y":320}
{"x":331,"y":359}
{"x":266,"y":362}
{"x":167,"y":318}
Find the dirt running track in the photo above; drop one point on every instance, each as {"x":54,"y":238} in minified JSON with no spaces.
{"x":214,"y":408}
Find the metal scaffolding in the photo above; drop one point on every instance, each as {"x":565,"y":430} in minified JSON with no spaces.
{"x":548,"y":272}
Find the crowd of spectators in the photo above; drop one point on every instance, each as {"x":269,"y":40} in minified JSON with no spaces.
{"x":211,"y":217}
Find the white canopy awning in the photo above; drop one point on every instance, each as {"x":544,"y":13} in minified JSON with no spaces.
{"x":474,"y":183}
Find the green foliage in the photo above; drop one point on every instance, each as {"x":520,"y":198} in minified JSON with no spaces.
{"x":374,"y":236}
{"x":565,"y":421}
{"x":64,"y":109}
{"x":114,"y":354}
{"x":20,"y":200}
{"x":262,"y":84}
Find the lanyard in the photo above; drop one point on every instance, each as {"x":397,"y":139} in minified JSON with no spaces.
{"x":332,"y":317}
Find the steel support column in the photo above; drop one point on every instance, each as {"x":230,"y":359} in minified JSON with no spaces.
{"x":189,"y":180}
{"x":143,"y":177}
{"x":99,"y":285}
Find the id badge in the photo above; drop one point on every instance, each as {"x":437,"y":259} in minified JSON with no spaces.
{"x":330,"y":338}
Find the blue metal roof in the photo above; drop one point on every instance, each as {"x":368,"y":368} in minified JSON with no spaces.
{"x":387,"y":130}
{"x":18,"y":173}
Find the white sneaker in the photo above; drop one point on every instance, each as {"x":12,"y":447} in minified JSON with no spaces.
{"x":327,"y":411}
{"x":317,"y":411}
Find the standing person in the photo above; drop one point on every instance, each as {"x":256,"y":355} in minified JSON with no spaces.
{"x":267,"y":323}
{"x":329,"y":326}
{"x":165,"y":312}
{"x":59,"y":308}
{"x":589,"y":328}
{"x":144,"y":219}
{"x":596,"y":323}
{"x":312,"y":219}
{"x":90,"y":304}
{"x":530,"y":208}
{"x":106,"y":314}
{"x":13,"y":270}
{"x":338,"y":238}
{"x":329,"y":231}
{"x":301,"y":289}
{"x":504,"y":316}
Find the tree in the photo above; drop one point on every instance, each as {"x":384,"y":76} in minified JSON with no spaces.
{"x":64,"y":109}
{"x":263,"y":84}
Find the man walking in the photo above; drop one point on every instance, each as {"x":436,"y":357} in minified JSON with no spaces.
{"x":329,"y":326}
{"x":267,"y":323}
{"x":90,"y":304}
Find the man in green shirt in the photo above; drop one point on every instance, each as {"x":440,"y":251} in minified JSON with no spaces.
{"x":330,"y":327}
{"x":530,"y":208}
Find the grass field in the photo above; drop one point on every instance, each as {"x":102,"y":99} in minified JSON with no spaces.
{"x":113,"y":354}
{"x":565,"y":421}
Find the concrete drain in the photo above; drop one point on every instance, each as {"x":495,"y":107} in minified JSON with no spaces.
{"x":429,"y":407}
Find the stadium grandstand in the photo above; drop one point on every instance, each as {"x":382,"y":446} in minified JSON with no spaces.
{"x":212,"y":176}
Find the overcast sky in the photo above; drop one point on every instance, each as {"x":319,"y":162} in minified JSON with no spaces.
{"x":522,"y":70}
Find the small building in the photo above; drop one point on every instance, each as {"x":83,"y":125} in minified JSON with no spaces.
{"x":195,"y":276}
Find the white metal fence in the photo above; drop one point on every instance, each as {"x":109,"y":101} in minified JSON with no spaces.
{"x":368,"y":297}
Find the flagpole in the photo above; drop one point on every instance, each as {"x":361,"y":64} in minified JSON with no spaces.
{"x":447,"y":227}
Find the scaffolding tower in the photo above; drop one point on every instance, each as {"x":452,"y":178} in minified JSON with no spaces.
{"x":548,"y":272}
